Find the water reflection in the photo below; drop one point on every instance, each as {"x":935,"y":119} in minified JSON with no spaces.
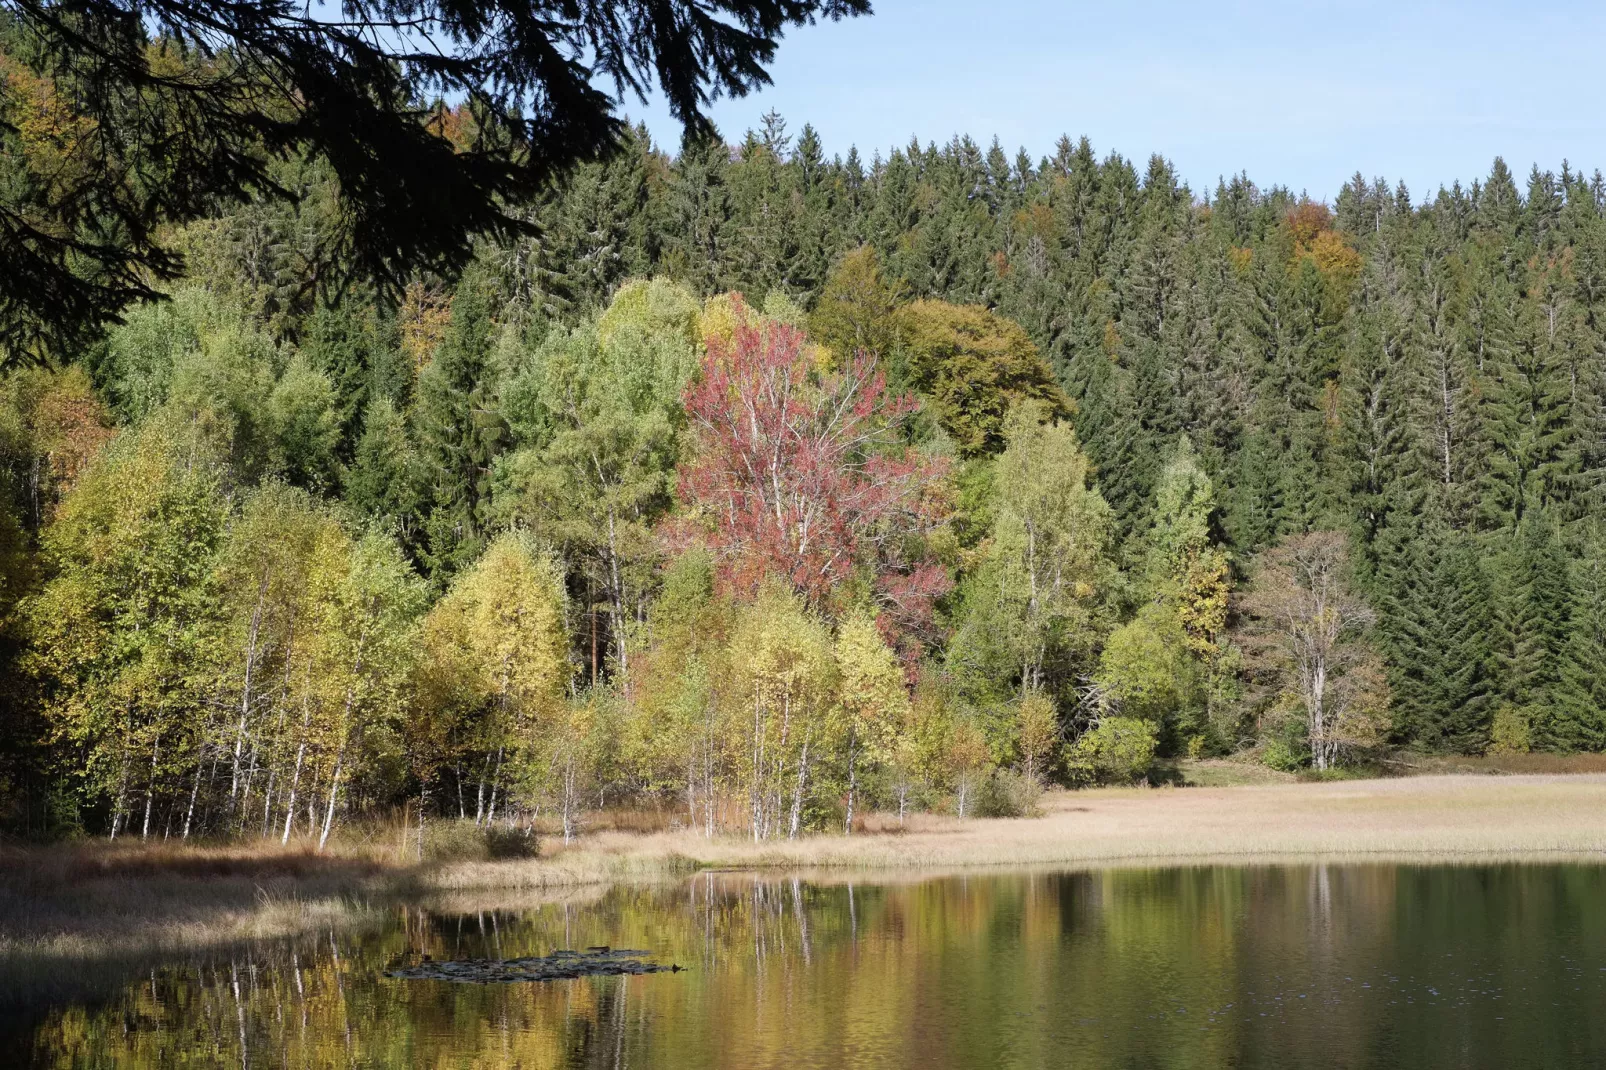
{"x":1352,"y":966}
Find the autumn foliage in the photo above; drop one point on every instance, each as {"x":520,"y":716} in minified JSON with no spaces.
{"x":798,"y":474}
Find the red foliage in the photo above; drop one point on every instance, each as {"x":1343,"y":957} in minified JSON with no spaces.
{"x":797,"y":475}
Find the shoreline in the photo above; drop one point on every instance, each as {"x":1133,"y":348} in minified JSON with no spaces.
{"x":73,"y":903}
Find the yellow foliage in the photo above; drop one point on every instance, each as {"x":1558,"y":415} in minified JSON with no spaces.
{"x":1037,"y":725}
{"x":422,"y":320}
{"x":722,"y":315}
{"x":645,"y":307}
{"x":1202,"y":601}
{"x":872,"y":694}
{"x":55,"y":139}
{"x":1512,"y":731}
{"x":500,"y":630}
{"x":1334,"y":258}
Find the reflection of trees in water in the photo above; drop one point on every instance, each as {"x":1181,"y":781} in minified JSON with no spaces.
{"x":1181,"y":967}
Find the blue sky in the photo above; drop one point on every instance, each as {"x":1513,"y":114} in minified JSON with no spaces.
{"x":1298,"y":94}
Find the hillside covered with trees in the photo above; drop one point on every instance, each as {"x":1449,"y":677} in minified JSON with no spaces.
{"x":766,"y":487}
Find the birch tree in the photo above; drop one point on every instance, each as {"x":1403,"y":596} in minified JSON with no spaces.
{"x":1317,"y":631}
{"x":872,"y":702}
{"x":496,"y":663}
{"x":120,"y":634}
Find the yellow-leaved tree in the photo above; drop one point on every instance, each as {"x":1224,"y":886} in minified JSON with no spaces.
{"x":494,"y":671}
{"x":872,"y":700}
{"x":782,"y":686}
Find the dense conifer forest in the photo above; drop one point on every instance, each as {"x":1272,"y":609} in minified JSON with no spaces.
{"x":765,"y":486}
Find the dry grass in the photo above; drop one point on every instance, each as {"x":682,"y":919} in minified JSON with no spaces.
{"x":1475,"y":817}
{"x":63,"y":905}
{"x":64,"y":902}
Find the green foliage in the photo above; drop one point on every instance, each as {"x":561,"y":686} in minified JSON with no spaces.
{"x":1284,"y":754}
{"x":595,"y":413}
{"x":460,"y":433}
{"x":1436,"y":625}
{"x":856,"y":308}
{"x":1038,"y":601}
{"x":121,"y":632}
{"x":1576,"y":719}
{"x":974,"y":366}
{"x":305,"y":424}
{"x":382,"y":481}
{"x":1146,"y":668}
{"x":1511,"y":731}
{"x":1006,"y":793}
{"x":1117,"y":750}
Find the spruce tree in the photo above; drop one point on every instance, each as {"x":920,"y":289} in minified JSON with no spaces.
{"x":382,"y":479}
{"x":459,"y":432}
{"x":1436,"y":626}
{"x":1577,"y":719}
{"x":697,"y":214}
{"x":1531,"y":612}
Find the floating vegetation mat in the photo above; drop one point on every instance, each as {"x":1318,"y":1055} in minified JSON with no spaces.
{"x":558,"y":966}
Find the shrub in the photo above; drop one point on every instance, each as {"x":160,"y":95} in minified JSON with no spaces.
{"x":1007,"y":794}
{"x":1119,"y":750}
{"x":1282,"y":755}
{"x":510,"y":841}
{"x":461,"y":841}
{"x":451,"y":841}
{"x":1512,"y":731}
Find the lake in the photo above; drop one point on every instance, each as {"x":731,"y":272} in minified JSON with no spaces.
{"x":1275,"y":966}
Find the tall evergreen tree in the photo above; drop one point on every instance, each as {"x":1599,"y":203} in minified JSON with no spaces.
{"x":460,"y":431}
{"x":1436,"y":620}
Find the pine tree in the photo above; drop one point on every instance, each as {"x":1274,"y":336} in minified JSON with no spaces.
{"x":1526,"y":411}
{"x":382,"y":480}
{"x":1373,"y":456}
{"x":596,"y":236}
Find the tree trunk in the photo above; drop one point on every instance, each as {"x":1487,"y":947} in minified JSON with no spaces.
{"x":150,"y":788}
{"x":758,"y":786}
{"x":570,"y":797}
{"x":479,"y":792}
{"x":853,"y":779}
{"x":195,"y":789}
{"x":334,"y":792}
{"x":423,"y":802}
{"x":245,"y":692}
{"x":616,"y":596}
{"x":295,"y":782}
{"x":496,"y":780}
{"x":797,"y":791}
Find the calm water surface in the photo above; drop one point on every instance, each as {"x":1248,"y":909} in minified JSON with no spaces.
{"x":1313,"y":966}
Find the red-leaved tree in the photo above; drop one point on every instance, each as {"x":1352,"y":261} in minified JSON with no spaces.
{"x":797,"y":475}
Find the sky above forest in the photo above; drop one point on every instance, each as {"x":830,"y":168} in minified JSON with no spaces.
{"x":1297,"y":94}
